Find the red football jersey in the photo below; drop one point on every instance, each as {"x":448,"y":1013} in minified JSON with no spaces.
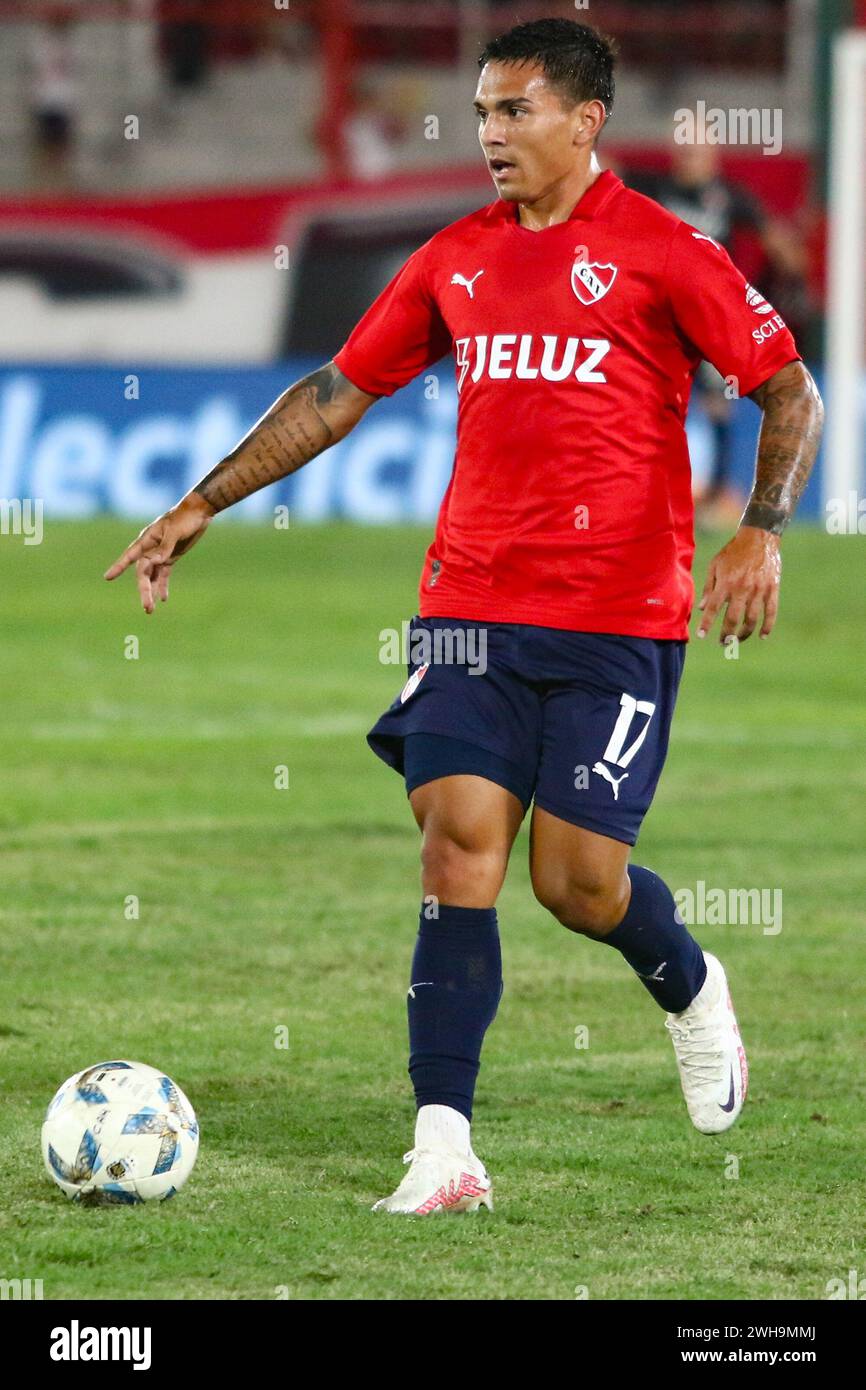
{"x":575,"y":347}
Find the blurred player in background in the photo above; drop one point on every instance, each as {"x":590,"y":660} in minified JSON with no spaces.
{"x":373,"y":132}
{"x":578,"y":312}
{"x":54,"y":97}
{"x":696,"y":190}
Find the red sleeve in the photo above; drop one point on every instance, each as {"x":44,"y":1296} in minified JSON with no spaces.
{"x":401,"y":333}
{"x":726,"y":320}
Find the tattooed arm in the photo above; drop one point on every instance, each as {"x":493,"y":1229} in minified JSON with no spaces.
{"x":308,"y":418}
{"x":313,"y":414}
{"x":745,"y":574}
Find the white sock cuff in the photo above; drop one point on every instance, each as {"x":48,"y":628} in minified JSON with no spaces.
{"x":441,"y":1127}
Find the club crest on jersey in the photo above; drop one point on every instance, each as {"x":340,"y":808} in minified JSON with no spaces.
{"x":591,"y":280}
{"x":413,"y":682}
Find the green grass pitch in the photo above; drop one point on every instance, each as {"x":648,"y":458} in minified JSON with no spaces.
{"x":262,"y":909}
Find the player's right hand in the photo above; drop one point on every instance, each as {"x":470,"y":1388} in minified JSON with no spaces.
{"x":160,"y":544}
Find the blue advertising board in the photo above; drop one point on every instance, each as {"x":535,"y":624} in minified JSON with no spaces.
{"x":95,"y":439}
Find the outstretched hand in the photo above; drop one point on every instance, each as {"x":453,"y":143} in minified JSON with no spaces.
{"x":160,"y":544}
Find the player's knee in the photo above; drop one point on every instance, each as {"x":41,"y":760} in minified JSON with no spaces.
{"x":586,"y":904}
{"x":459,"y":872}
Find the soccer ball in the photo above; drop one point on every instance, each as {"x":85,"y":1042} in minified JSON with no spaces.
{"x":120,"y":1132}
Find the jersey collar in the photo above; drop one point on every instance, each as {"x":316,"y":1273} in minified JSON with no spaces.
{"x":596,"y":197}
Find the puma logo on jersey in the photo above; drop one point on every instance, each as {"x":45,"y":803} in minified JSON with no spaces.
{"x":508,"y":356}
{"x":469,"y":285}
{"x":608,"y":776}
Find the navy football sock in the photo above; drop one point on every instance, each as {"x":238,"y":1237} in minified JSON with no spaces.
{"x":656,"y":944}
{"x":454,"y":993}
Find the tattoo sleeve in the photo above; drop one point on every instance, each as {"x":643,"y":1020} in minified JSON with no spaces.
{"x":313,"y":414}
{"x":789,"y":439}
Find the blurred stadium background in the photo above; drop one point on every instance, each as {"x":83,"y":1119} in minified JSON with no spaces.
{"x":204,"y":196}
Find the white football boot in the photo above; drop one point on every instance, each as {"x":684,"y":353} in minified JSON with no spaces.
{"x":710,"y":1056}
{"x":445,"y":1174}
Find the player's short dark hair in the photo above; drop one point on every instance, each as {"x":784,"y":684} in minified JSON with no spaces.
{"x":575,"y":57}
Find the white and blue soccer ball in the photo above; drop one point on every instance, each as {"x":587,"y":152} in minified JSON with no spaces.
{"x":120,"y":1132}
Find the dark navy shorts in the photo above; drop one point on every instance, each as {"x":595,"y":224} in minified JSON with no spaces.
{"x":579,"y":721}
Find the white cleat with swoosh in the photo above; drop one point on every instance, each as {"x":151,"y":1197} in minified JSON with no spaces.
{"x":710,"y":1055}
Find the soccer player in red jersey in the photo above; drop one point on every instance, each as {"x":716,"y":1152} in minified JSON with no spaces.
{"x":555,"y":598}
